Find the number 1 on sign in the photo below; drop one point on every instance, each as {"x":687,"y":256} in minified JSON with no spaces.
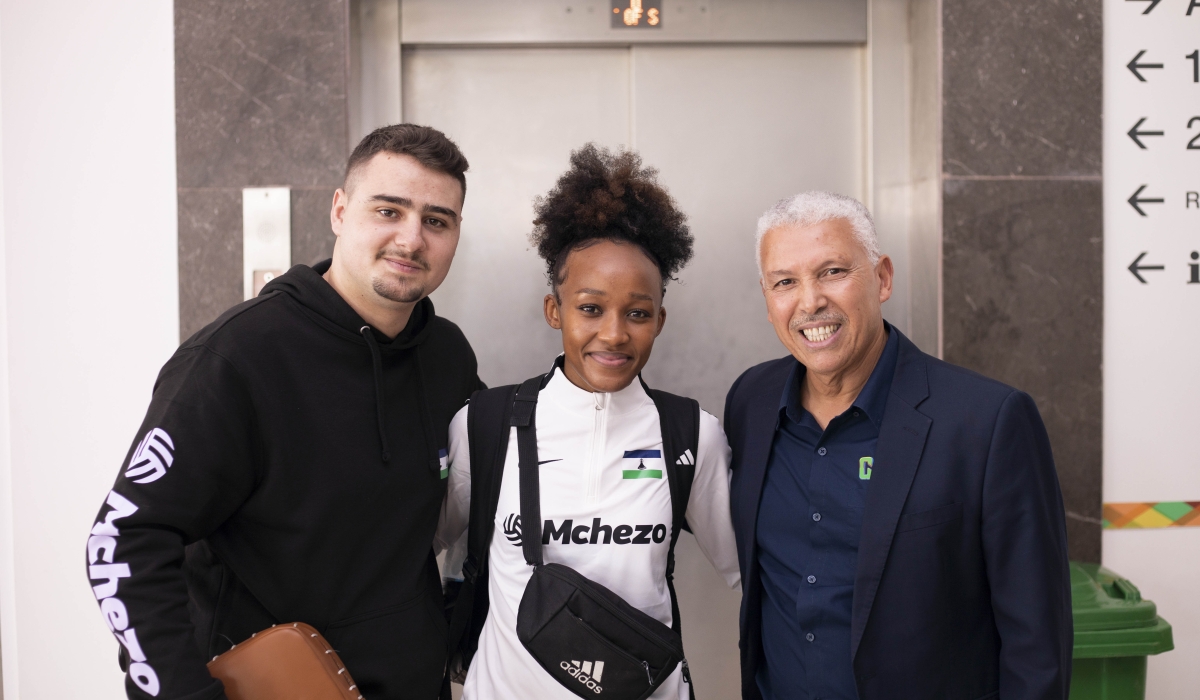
{"x":1195,"y":58}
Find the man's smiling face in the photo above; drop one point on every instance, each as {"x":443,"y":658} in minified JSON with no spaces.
{"x":397,"y":224}
{"x":823,"y":294}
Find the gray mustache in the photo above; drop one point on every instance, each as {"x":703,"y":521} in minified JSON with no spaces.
{"x":795,"y":323}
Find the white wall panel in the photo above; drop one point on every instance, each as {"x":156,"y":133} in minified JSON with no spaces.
{"x":1151,"y":374}
{"x":90,"y":309}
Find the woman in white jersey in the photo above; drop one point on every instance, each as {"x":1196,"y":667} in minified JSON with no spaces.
{"x":612,"y":238}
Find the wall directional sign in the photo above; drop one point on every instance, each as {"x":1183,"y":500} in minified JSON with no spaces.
{"x":1136,"y":134}
{"x":1153,"y":4}
{"x":1151,"y":365}
{"x":1137,"y":68}
{"x":1137,"y":199}
{"x":1152,"y":146}
{"x":1136,"y":267}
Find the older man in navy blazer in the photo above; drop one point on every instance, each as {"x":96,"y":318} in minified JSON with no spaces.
{"x":899,"y":521}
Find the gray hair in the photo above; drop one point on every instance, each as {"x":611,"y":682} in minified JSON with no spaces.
{"x":812,"y":208}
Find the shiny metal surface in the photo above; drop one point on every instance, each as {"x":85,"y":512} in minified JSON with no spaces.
{"x":733,"y":122}
{"x":732,"y":129}
{"x":266,"y":235}
{"x":590,"y":21}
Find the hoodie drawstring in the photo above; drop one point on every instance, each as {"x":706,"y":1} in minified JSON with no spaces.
{"x":377,"y":362}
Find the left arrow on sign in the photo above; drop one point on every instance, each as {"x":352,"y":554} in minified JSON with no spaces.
{"x":1133,"y":65}
{"x":1153,"y":4}
{"x":1134,"y":201}
{"x":1134,"y":133}
{"x":1135,"y":268}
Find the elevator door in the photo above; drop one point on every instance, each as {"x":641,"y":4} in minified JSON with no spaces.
{"x":732,"y":129}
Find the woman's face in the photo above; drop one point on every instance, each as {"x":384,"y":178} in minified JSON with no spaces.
{"x":609,"y":309}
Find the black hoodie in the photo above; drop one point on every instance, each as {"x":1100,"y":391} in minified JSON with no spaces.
{"x":287,"y":470}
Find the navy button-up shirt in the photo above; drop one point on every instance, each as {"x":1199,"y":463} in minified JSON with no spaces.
{"x":809,"y":521}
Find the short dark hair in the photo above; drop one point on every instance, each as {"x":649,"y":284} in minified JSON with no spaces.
{"x":610,"y":196}
{"x":430,"y":147}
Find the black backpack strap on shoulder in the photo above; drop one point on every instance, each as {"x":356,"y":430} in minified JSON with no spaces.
{"x":487,"y":435}
{"x":491,"y":414}
{"x":524,"y":420}
{"x":679,"y":422}
{"x":487,"y":431}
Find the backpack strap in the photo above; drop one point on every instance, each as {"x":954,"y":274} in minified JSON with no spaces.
{"x":679,"y":422}
{"x":524,"y":414}
{"x":487,"y":430}
{"x":490,"y":415}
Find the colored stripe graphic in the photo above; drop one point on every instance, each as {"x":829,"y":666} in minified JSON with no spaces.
{"x":1136,"y":516}
{"x":641,"y":474}
{"x":643,"y":454}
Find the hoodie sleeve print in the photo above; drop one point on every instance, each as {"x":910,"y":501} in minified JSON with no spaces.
{"x":456,"y":509}
{"x":708,"y":507}
{"x":190,"y":467}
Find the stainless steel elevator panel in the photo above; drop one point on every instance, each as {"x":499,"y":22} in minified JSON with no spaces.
{"x":732,"y":130}
{"x":731,"y":127}
{"x":516,"y":114}
{"x":473,"y":22}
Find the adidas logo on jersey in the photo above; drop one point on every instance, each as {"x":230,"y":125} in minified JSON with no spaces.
{"x":588,"y":673}
{"x":686,"y":459}
{"x":596,"y":533}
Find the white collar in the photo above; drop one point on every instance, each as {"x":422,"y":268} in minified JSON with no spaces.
{"x":565,"y":396}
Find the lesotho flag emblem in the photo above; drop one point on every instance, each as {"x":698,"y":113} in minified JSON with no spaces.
{"x":642,"y":472}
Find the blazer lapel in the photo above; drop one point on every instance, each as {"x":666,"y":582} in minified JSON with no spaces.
{"x":897,"y":454}
{"x":763,"y":419}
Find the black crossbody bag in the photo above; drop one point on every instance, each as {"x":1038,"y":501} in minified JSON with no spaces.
{"x":587,"y":637}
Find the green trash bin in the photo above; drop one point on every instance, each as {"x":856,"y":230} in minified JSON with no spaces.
{"x":1115,"y":630}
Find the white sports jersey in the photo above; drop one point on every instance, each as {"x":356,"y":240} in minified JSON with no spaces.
{"x":606,"y":506}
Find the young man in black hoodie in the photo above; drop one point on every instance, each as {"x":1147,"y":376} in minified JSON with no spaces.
{"x":291,"y":466}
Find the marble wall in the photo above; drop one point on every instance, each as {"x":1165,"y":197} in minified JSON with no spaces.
{"x":260,"y":90}
{"x":1023,"y":223}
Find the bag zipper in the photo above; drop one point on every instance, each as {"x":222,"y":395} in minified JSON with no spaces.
{"x":644,"y":664}
{"x":648,"y":633}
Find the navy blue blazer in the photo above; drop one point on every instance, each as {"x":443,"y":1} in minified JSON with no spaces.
{"x":962,"y":590}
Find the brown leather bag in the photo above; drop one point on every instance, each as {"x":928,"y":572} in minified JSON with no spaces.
{"x":285,"y":662}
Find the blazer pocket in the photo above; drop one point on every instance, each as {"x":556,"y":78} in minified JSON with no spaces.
{"x":929,"y":518}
